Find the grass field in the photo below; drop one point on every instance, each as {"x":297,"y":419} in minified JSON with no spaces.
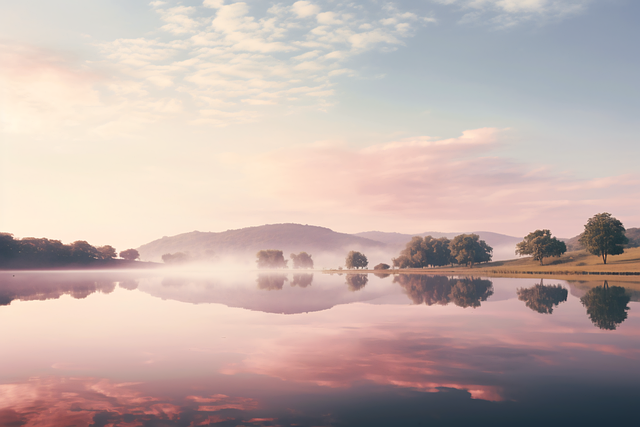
{"x":578,"y":265}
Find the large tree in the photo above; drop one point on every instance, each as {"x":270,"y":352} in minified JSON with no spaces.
{"x":540,"y":245}
{"x":604,"y":235}
{"x":107,"y":252}
{"x":271,"y":258}
{"x":469,"y":249}
{"x":356,"y":260}
{"x":302,"y":260}
{"x":130,"y":254}
{"x":424,"y":252}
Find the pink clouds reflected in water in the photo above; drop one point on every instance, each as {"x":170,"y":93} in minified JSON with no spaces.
{"x":131,"y":354}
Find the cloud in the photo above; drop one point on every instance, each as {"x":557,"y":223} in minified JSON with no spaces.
{"x":507,"y":13}
{"x":444,"y":180}
{"x":304,"y":9}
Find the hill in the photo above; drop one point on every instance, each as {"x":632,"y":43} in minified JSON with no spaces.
{"x":286,"y":237}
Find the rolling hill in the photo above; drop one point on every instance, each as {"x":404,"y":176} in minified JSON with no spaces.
{"x":286,"y":237}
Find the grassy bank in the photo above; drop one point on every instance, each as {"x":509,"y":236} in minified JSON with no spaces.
{"x":624,"y":268}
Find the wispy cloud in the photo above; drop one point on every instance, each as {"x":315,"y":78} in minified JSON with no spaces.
{"x":508,"y":13}
{"x":444,"y":180}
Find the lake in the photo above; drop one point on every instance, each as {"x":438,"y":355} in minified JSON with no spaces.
{"x":154,"y":348}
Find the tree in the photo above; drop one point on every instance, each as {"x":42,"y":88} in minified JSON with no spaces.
{"x":543,"y":298}
{"x":271,"y":258}
{"x":356,"y":260}
{"x":107,"y":252}
{"x":469,"y":249}
{"x":382,"y":266}
{"x":302,"y":260}
{"x":130,"y":254}
{"x":176,"y":258}
{"x":603,"y":236}
{"x":606,"y":306}
{"x":541,"y":245}
{"x":424,"y":252}
{"x":83,"y":251}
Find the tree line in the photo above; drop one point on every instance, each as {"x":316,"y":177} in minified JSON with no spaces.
{"x":41,"y":252}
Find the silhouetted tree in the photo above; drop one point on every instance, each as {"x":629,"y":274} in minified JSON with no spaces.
{"x":83,"y":251}
{"x":604,"y":235}
{"x":606,"y":306}
{"x":541,"y":245}
{"x":543,"y":298}
{"x":355,"y":282}
{"x":469,"y":249}
{"x":302,"y":280}
{"x":107,"y":252}
{"x":382,"y":266}
{"x":424,"y":252}
{"x":271,"y":258}
{"x":356,"y":260}
{"x":130,"y":254}
{"x":302,"y":260}
{"x":271,"y":282}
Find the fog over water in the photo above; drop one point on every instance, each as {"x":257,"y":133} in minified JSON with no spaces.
{"x":187,"y":348}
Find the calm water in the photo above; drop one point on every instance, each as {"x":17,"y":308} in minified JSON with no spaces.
{"x":123,"y":349}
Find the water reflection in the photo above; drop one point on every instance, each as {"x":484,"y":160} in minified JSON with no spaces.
{"x":463,"y":292}
{"x":40,"y":287}
{"x":271,"y":281}
{"x":355,"y":282}
{"x":302,"y":280}
{"x":606,"y":306}
{"x":543,"y":298}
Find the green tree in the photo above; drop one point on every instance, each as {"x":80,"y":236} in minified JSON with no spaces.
{"x":541,"y":245}
{"x":543,"y":298}
{"x":130,"y":254}
{"x":424,"y":252}
{"x":469,"y":249}
{"x":604,"y":235}
{"x":606,"y":306}
{"x":271,"y":258}
{"x":302,"y":260}
{"x":356,"y":260}
{"x":107,"y":252}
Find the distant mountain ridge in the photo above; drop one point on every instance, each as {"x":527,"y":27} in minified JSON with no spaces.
{"x":286,"y":237}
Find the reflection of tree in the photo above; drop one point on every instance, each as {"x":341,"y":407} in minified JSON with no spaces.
{"x":382,"y":275}
{"x":44,"y":287}
{"x":302,"y":280}
{"x":355,"y":282}
{"x":606,"y":306}
{"x":543,"y":298}
{"x":467,"y":292}
{"x":422,"y":288}
{"x":129,"y":285}
{"x":271,"y":281}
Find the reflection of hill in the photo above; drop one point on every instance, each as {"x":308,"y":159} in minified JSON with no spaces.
{"x":40,"y":287}
{"x":286,"y":237}
{"x":270,"y":293}
{"x":464,"y":292}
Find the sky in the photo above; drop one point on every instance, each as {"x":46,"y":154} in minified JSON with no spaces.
{"x":124,"y":121}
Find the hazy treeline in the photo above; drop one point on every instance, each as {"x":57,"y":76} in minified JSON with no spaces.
{"x":31,"y":252}
{"x":442,"y":290}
